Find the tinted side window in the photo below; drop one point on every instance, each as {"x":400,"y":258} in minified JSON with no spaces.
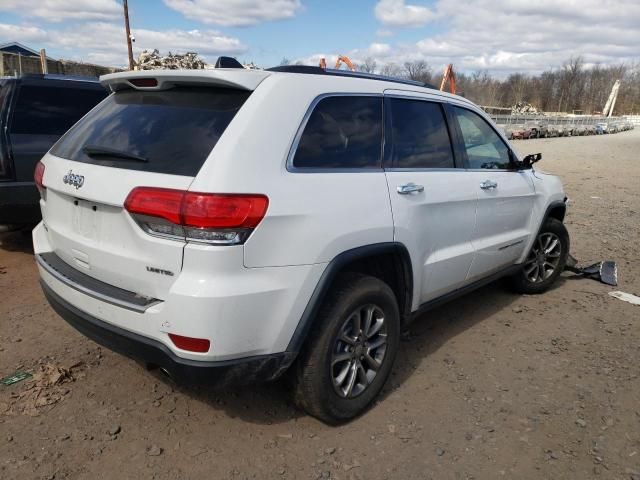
{"x":420,"y":138}
{"x":342,"y":132}
{"x":485,"y":149}
{"x":51,"y":110}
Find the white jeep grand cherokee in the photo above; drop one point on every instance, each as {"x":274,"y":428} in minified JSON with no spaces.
{"x":232,"y":224}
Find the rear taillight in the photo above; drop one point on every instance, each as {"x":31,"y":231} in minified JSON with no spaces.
{"x":38,"y":174}
{"x":220,"y":219}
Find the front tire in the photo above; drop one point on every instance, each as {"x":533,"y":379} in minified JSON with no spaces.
{"x":350,"y":351}
{"x":546,"y":260}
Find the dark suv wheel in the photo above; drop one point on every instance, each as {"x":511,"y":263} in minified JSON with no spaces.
{"x":546,"y":260}
{"x":350,"y":351}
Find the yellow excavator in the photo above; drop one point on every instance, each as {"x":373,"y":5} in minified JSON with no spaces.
{"x":341,"y":59}
{"x":449,"y":77}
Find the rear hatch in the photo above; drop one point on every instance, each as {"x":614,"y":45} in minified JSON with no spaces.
{"x":151,"y":137}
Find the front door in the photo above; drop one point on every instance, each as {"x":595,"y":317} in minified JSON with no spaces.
{"x":433,"y":202}
{"x":505,"y":195}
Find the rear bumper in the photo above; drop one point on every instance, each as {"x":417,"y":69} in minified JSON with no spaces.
{"x":155,"y":354}
{"x":19,"y":203}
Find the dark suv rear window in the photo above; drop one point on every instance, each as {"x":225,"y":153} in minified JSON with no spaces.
{"x":170,"y":131}
{"x":342,"y":132}
{"x":44,"y":110}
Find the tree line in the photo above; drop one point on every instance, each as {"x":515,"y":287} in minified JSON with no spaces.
{"x":574,"y":87}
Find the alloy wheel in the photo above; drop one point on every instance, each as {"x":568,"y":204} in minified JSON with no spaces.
{"x":544,"y":258}
{"x":359,"y":351}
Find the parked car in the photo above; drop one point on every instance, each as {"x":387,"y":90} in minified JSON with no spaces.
{"x":192,"y":222}
{"x":552,"y":131}
{"x":602,"y":128}
{"x":580,"y":130}
{"x":35,"y":110}
{"x":520,"y":133}
{"x":536,"y":128}
{"x":590,"y":130}
{"x":508,"y":132}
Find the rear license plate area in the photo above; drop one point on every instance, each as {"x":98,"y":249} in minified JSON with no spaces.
{"x":85,"y":218}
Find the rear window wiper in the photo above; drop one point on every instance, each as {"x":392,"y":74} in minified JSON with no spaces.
{"x":98,"y":151}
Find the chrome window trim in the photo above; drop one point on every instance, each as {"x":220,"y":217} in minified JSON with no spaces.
{"x":453,"y":170}
{"x":424,"y":96}
{"x":406,"y":169}
{"x":305,"y":119}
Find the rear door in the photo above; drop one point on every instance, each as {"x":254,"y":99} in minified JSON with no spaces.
{"x":505,"y":195}
{"x":433,"y":201}
{"x":133,"y":138}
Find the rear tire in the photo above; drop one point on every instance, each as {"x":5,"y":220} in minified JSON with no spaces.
{"x":350,"y":350}
{"x":546,"y":260}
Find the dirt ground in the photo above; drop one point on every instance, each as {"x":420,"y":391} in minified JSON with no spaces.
{"x":493,"y":385}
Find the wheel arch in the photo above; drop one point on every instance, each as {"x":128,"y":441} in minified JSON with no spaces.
{"x":389,"y":261}
{"x":557,"y":210}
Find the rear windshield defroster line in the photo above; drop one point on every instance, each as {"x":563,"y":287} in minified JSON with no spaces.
{"x":173,"y":130}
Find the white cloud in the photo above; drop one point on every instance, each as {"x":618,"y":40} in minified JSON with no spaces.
{"x":235,"y":12}
{"x":379,"y":49}
{"x":22,"y":33}
{"x":59,"y":10}
{"x":399,"y":14}
{"x":504,"y":36}
{"x":104,"y":43}
{"x":383,"y":32}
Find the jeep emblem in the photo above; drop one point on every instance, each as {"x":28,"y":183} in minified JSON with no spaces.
{"x":73,"y":179}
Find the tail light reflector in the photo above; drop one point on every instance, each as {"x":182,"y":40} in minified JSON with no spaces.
{"x":199,"y":345}
{"x":38,"y":174}
{"x":223,"y":219}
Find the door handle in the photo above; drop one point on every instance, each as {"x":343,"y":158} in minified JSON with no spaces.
{"x":488,"y":185}
{"x":408,"y":188}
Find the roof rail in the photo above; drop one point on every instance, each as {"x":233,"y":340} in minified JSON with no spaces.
{"x":57,"y":76}
{"x":311,"y":70}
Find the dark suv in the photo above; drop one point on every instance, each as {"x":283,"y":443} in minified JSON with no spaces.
{"x":35,"y":110}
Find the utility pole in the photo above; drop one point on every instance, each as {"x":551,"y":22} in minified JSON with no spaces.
{"x":43,"y":61}
{"x":128,"y":32}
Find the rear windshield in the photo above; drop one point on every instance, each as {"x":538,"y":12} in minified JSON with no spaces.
{"x":171,"y":131}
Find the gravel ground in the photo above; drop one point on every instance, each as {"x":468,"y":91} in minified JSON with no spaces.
{"x":492,"y":385}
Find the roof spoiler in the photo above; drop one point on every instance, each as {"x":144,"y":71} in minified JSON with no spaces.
{"x":153,"y":80}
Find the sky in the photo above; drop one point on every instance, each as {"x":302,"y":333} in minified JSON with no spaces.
{"x":500,"y":36}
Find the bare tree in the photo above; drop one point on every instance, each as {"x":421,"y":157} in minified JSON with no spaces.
{"x":573,"y":86}
{"x":285,"y":61}
{"x":368,"y":66}
{"x":418,"y":70}
{"x":391,"y":70}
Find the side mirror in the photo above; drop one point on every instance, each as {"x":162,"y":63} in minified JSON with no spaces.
{"x":530,"y":159}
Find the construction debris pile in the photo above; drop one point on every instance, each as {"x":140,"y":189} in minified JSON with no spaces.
{"x":524,"y":108}
{"x":152,"y":60}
